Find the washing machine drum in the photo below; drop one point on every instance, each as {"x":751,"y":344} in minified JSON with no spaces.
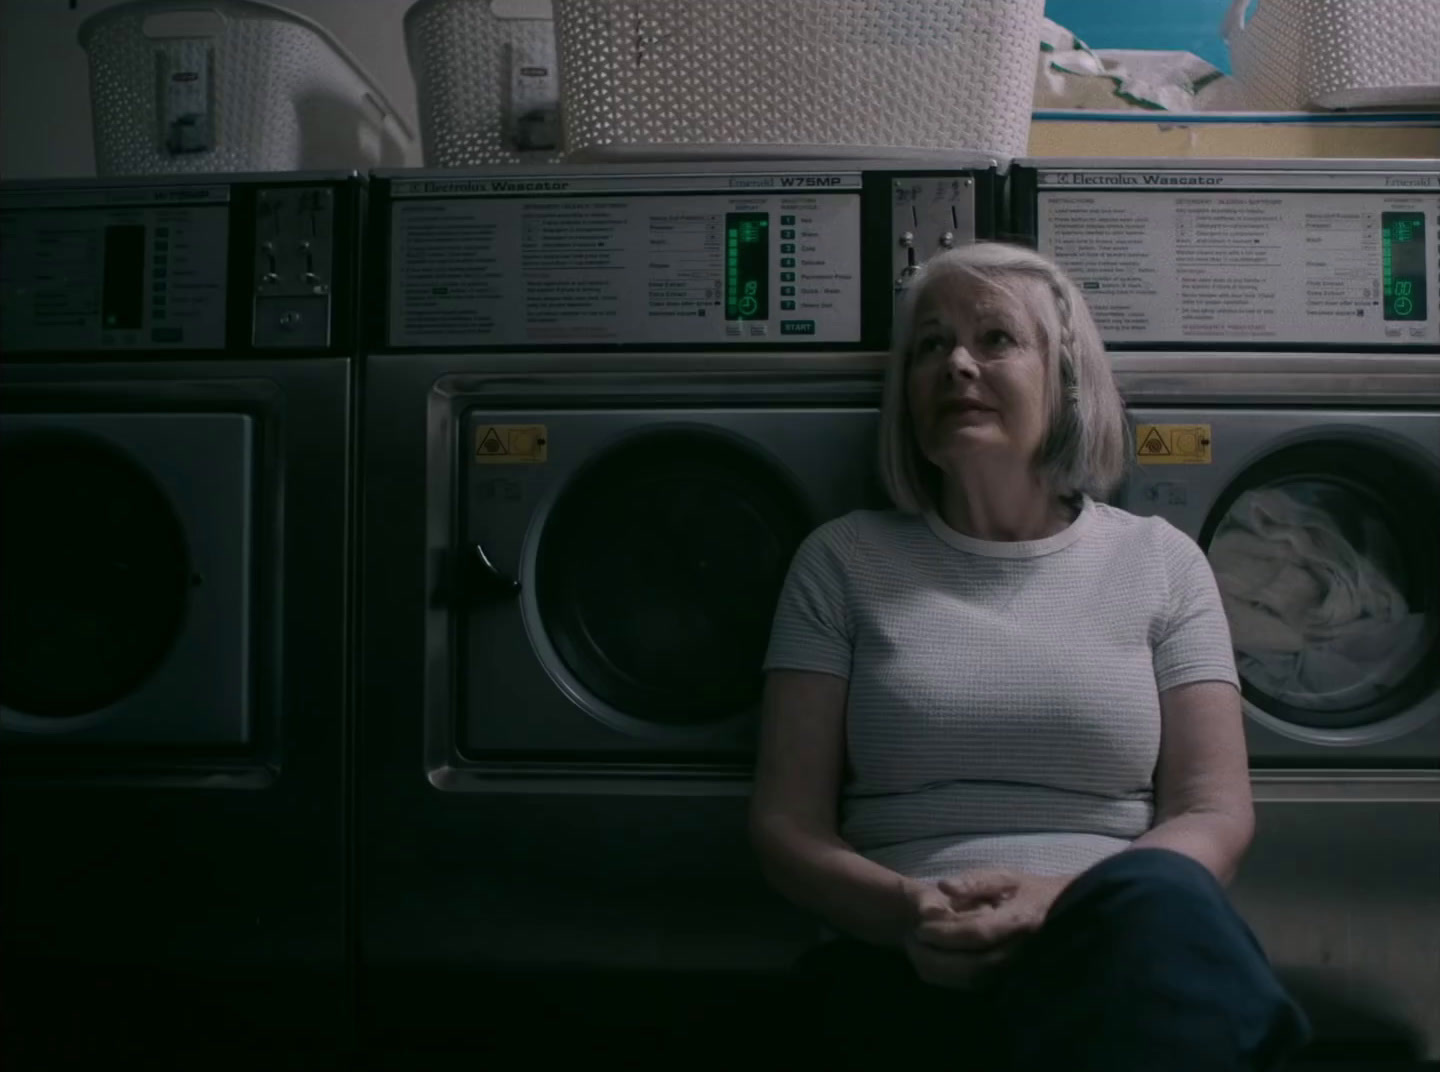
{"x":658,"y":573}
{"x":1325,"y":559}
{"x":94,"y":574}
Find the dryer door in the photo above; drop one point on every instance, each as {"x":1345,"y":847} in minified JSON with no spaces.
{"x":1322,"y":530}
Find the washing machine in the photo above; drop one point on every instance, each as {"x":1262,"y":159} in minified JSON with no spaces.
{"x":1274,"y":328}
{"x":1290,"y":313}
{"x":604,"y":406}
{"x":1322,"y":526}
{"x":175,"y":497}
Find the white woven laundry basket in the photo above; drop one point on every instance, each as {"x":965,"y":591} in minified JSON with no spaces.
{"x":716,"y":78}
{"x":486,"y":78}
{"x":185,"y":86}
{"x":1298,"y":54}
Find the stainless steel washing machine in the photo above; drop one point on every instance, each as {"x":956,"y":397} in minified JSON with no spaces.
{"x":1343,"y":876}
{"x":1274,"y":327}
{"x":1317,"y":499}
{"x":603,"y":407}
{"x":174,"y":502}
{"x":1322,"y":526}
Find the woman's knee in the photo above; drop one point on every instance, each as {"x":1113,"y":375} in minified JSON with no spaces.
{"x":1154,"y":900}
{"x":1143,"y":874}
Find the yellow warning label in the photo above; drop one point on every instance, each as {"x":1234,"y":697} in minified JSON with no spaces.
{"x":1173,"y":444}
{"x":510,"y":444}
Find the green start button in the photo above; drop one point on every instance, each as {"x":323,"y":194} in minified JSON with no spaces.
{"x":797,"y":327}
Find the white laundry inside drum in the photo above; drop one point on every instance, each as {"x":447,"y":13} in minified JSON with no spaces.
{"x":1316,"y":617}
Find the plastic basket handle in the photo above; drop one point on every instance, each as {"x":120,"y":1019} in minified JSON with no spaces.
{"x":521,"y":9}
{"x":1234,"y":24}
{"x":202,"y":20}
{"x":381,"y":115}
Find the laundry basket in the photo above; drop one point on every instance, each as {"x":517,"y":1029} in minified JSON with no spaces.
{"x":486,"y":79}
{"x":1298,"y":54}
{"x":184,"y":86}
{"x":669,"y":79}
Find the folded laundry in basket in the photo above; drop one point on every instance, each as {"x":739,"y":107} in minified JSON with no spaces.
{"x":1313,"y":619}
{"x":1071,"y":75}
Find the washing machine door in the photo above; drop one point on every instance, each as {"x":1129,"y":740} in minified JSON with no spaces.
{"x":94,"y":575}
{"x":658,"y":572}
{"x":644,"y":558}
{"x":1322,"y":528}
{"x":1325,"y":554}
{"x":124,"y":578}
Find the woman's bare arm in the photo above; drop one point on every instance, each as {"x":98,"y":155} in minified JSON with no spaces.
{"x":794,"y":811}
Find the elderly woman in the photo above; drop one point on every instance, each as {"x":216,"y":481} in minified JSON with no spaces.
{"x":1002,"y":747}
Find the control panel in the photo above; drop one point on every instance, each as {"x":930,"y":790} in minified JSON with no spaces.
{"x":123,"y":269}
{"x":162,"y":267}
{"x":1245,"y":257}
{"x":576,"y":256}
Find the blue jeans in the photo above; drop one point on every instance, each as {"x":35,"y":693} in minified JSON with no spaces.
{"x":1141,"y":964}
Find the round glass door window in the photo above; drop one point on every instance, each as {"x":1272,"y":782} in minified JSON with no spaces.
{"x":94,"y":574}
{"x":1326,"y":561}
{"x":658,"y":572}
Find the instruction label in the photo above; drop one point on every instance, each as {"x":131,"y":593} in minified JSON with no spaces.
{"x":1235,"y":266}
{"x":510,"y":444}
{"x":1172,"y":444}
{"x":595,"y":269}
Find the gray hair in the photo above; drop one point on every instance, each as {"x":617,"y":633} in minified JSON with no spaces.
{"x":1088,"y":443}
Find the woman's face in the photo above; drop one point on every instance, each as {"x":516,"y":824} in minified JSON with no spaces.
{"x":976,"y":344}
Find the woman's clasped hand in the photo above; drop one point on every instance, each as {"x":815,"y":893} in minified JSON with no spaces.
{"x":968,"y":925}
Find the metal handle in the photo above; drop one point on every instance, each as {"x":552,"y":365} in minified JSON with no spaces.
{"x":487,"y":582}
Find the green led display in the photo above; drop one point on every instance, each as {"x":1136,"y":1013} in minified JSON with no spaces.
{"x":747,"y":266}
{"x":1403,"y":265}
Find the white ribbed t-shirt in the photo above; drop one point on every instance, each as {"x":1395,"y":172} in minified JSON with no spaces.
{"x":1003,"y":697}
